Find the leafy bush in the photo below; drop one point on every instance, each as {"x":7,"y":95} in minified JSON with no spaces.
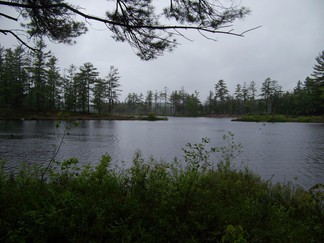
{"x":193,"y":200}
{"x":151,"y":116}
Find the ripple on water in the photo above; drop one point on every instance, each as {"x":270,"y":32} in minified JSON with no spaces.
{"x":285,"y":150}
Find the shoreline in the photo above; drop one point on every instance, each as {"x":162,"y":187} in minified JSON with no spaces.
{"x":38,"y":116}
{"x":51,"y":116}
{"x":280,"y":118}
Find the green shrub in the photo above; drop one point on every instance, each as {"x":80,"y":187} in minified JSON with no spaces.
{"x":194,"y":200}
{"x":151,"y":116}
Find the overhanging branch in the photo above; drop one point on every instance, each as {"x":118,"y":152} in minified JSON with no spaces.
{"x":122,"y":24}
{"x":138,"y":25}
{"x":5,"y":32}
{"x":8,"y":17}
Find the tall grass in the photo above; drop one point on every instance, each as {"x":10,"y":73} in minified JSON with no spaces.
{"x":194,"y":200}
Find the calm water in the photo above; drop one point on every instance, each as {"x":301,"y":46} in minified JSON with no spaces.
{"x":281,"y":151}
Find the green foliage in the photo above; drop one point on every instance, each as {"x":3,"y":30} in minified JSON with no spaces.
{"x":151,"y":116}
{"x":234,"y":234}
{"x":32,"y":82}
{"x":56,"y":23}
{"x":270,"y":92}
{"x":154,"y":201}
{"x":280,"y":118}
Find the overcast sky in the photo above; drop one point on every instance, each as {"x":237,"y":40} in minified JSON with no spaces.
{"x":284,"y":49}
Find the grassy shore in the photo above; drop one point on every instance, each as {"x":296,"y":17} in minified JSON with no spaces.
{"x":280,"y":118}
{"x":155,"y":201}
{"x":76,"y":116}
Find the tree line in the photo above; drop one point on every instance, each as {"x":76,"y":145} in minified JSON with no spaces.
{"x":32,"y":81}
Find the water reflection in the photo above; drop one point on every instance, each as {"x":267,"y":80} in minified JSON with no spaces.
{"x":279,"y":150}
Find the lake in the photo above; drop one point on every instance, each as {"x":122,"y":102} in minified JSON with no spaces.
{"x":278,"y":151}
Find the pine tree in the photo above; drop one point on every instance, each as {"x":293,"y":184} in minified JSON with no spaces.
{"x":20,"y":61}
{"x":148,"y":101}
{"x":318,"y":76}
{"x":164,"y":98}
{"x":209,"y":104}
{"x":270,"y":91}
{"x":252,"y":92}
{"x":54,"y":84}
{"x":193,"y":104}
{"x":38,"y":76}
{"x":175,"y":100}
{"x":2,"y":78}
{"x":311,"y":96}
{"x":221,"y":93}
{"x":99,"y":94}
{"x":318,"y":72}
{"x":238,"y":95}
{"x":298,"y":97}
{"x":85,"y":81}
{"x":112,"y":87}
{"x":13,"y":78}
{"x":70,"y":89}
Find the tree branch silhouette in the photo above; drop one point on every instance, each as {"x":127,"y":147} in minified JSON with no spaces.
{"x":134,"y":22}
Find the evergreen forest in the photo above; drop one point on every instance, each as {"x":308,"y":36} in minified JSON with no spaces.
{"x":32,"y":81}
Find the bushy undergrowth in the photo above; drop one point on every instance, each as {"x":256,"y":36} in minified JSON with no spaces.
{"x":182,"y":201}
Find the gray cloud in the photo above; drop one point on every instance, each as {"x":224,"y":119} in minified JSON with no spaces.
{"x":283,"y":49}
